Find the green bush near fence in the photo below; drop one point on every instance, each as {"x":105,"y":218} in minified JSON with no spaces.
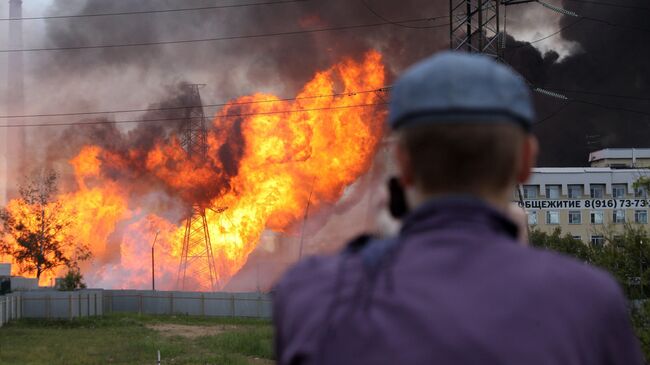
{"x":133,"y":339}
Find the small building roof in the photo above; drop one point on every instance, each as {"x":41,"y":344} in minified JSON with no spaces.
{"x":619,"y":153}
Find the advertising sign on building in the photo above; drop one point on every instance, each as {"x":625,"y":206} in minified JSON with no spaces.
{"x":585,"y":204}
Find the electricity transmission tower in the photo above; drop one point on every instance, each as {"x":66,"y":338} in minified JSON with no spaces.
{"x":197,"y":259}
{"x":474,"y":26}
{"x":479,"y":26}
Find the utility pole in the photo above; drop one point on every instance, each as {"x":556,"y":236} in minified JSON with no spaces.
{"x":153,"y":263}
{"x":196,"y":256}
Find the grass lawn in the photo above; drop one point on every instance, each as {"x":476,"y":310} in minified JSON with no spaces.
{"x":134,"y":339}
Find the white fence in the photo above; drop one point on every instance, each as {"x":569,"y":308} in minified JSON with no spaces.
{"x":9,"y":308}
{"x":52,"y":304}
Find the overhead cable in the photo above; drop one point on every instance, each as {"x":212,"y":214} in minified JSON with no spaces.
{"x":235,"y":115}
{"x":69,"y":114}
{"x":158,"y":11}
{"x":397,"y":23}
{"x":223,"y":38}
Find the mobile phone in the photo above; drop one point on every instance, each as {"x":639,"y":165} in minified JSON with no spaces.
{"x":397,"y":204}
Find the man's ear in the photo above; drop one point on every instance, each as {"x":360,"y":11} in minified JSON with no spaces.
{"x":528,"y":152}
{"x":404,"y":166}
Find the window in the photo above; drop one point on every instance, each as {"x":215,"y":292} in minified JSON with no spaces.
{"x":552,"y":217}
{"x":553,"y":191}
{"x":532,"y":218}
{"x":641,"y":216}
{"x":597,"y":191}
{"x":575,"y":191}
{"x":597,"y":217}
{"x":597,"y":240}
{"x":619,"y":191}
{"x":575,"y":217}
{"x":579,"y":238}
{"x":618,"y":216}
{"x":530,"y":191}
{"x":641,"y":192}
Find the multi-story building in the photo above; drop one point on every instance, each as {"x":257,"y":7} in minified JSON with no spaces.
{"x":586,"y":202}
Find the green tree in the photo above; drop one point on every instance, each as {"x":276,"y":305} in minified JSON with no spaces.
{"x":642,"y":182}
{"x":37,"y":232}
{"x":565,"y":244}
{"x":72,"y":280}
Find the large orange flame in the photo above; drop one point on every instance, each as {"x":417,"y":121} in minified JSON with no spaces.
{"x":291,"y":154}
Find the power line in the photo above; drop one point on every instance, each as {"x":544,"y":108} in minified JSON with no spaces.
{"x":140,"y":12}
{"x":216,"y":105}
{"x":611,"y":107}
{"x":611,"y":4}
{"x":96,"y":122}
{"x":553,"y":114}
{"x":214,"y":39}
{"x":630,"y":97}
{"x":70,"y":114}
{"x":607,"y":22}
{"x":527,"y":44}
{"x":381,"y":17}
{"x":547,"y":36}
{"x":598,"y":105}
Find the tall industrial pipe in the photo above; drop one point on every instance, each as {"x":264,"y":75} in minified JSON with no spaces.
{"x":14,"y":146}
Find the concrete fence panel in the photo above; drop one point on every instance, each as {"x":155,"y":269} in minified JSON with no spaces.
{"x":219,"y":304}
{"x":61,"y":305}
{"x":52,"y":304}
{"x":255,"y":305}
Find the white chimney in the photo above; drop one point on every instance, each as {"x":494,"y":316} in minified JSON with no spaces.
{"x":14,"y":146}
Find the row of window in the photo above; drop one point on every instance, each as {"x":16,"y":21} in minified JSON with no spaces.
{"x":596,"y":239}
{"x":595,"y":217}
{"x":596,"y":191}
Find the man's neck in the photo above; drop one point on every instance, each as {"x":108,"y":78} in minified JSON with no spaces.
{"x":416,"y":197}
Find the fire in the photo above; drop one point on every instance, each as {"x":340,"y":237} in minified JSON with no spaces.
{"x":267,"y":159}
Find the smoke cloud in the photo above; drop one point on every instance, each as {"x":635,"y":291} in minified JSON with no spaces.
{"x":603,"y":59}
{"x":609,"y":60}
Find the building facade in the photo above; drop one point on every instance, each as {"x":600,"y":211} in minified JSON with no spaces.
{"x":590,"y":202}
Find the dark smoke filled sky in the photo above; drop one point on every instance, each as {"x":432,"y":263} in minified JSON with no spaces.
{"x":593,"y":57}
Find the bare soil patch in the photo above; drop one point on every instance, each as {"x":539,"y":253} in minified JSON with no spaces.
{"x":187,"y":331}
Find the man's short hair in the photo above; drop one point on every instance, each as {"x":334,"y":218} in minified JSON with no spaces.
{"x":463,"y":157}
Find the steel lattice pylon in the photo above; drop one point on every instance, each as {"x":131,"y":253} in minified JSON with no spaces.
{"x":194,"y":134}
{"x":197,"y":259}
{"x":474,"y":26}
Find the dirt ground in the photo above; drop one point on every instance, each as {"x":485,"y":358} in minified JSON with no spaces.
{"x":187,"y":331}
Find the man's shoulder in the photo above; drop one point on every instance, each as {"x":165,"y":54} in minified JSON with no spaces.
{"x":320,"y":268}
{"x":314,"y":270}
{"x":560,"y":274}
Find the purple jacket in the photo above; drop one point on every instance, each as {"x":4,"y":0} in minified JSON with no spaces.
{"x":455,"y":289}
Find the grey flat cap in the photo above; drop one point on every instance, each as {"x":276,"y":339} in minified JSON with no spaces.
{"x":460,"y":87}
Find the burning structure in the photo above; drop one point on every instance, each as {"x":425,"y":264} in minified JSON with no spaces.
{"x":266,"y":159}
